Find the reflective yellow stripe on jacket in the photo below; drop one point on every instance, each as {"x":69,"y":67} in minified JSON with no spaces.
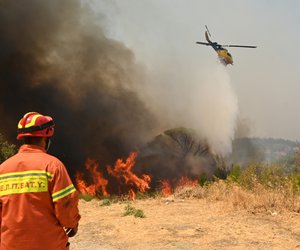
{"x":24,"y":182}
{"x":63,"y":192}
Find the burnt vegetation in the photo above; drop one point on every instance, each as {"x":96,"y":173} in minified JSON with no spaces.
{"x":175,"y":153}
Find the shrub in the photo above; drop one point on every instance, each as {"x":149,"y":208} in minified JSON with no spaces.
{"x":139,"y":213}
{"x":106,"y":202}
{"x":248,"y":176}
{"x":203,"y":180}
{"x":234,"y":174}
{"x":86,"y":197}
{"x":129,"y":210}
{"x":6,"y":149}
{"x":272,"y":176}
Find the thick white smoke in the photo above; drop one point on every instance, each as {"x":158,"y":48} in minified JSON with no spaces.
{"x":215,"y":109}
{"x":179,"y":90}
{"x":204,"y":101}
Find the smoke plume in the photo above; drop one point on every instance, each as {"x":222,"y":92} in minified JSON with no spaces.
{"x":57,"y":60}
{"x":54,"y":60}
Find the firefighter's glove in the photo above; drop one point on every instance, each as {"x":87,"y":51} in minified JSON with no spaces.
{"x":71,"y":232}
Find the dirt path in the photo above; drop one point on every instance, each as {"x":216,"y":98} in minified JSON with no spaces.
{"x":183,"y":224}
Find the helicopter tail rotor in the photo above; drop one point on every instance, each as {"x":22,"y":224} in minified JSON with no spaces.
{"x":207,"y":35}
{"x":207,"y":30}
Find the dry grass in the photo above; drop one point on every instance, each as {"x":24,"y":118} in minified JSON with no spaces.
{"x":257,"y":199}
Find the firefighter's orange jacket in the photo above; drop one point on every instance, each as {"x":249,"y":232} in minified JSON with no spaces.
{"x":37,"y":201}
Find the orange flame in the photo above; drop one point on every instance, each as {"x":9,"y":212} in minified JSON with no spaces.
{"x":184,"y":181}
{"x":99,"y":182}
{"x":131,"y":194}
{"x":122,"y":171}
{"x":166,"y":188}
{"x":83,"y":188}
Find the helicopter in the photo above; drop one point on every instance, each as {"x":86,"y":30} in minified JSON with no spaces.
{"x":224,"y":56}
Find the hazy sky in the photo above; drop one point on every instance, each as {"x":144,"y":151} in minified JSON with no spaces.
{"x":265,"y":82}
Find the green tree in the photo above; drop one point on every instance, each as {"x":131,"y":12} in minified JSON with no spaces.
{"x":6,"y":149}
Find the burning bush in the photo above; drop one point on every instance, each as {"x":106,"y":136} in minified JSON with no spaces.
{"x":176,"y":158}
{"x":121,"y":175}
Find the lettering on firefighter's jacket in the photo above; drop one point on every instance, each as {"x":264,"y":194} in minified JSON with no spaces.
{"x":25,"y":182}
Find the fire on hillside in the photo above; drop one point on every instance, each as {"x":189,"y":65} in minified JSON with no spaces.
{"x":121,"y":172}
{"x":126,"y":180}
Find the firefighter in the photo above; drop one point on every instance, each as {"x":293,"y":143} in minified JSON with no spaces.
{"x":38,"y":202}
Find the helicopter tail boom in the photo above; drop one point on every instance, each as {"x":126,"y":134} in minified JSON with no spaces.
{"x":207,"y":37}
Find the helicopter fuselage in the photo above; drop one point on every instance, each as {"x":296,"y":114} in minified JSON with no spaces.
{"x":224,"y":56}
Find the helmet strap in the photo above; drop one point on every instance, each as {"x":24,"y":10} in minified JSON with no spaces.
{"x":48,"y":143}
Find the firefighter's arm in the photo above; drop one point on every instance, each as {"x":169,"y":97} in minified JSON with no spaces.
{"x":65,"y":198}
{"x":66,"y":210}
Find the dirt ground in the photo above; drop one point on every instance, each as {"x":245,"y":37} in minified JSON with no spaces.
{"x":183,"y":224}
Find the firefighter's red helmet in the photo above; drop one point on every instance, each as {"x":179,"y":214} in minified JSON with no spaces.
{"x":35,"y":124}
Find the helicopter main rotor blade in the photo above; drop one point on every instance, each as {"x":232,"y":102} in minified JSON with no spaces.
{"x":207,"y":44}
{"x":240,"y":46}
